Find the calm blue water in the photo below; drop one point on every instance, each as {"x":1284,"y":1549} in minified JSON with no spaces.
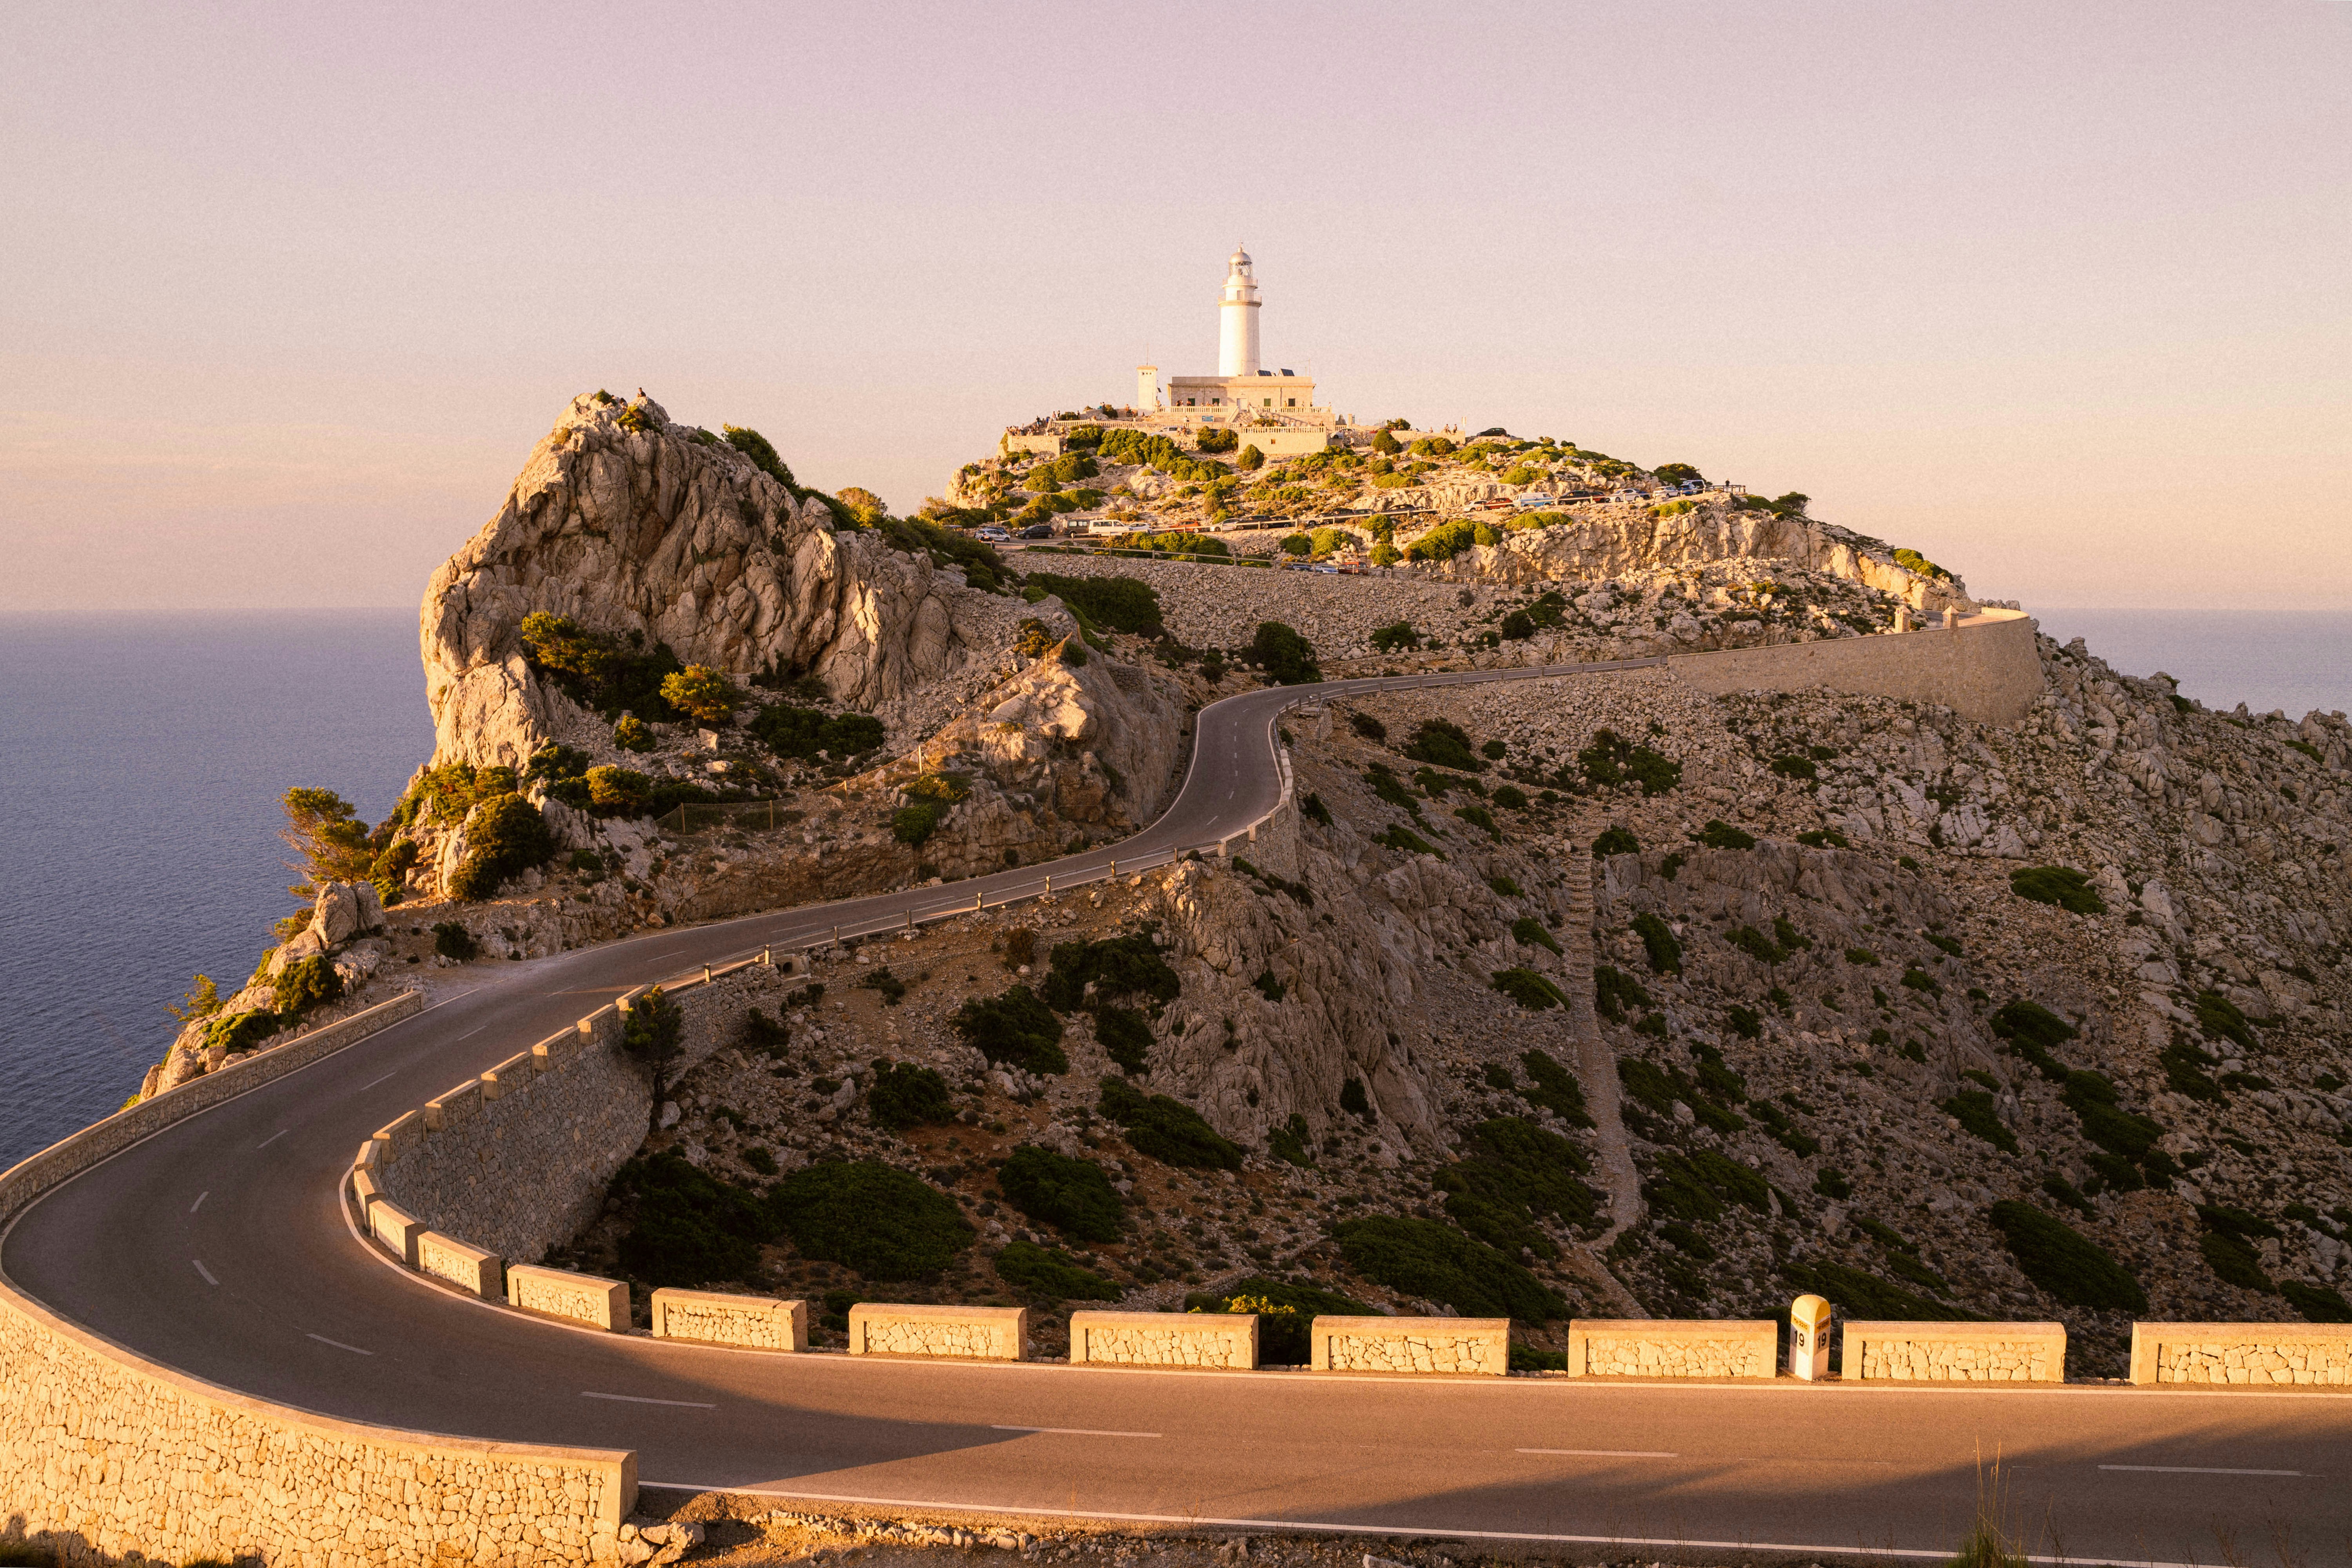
{"x":140,"y":761}
{"x":2292,"y":659}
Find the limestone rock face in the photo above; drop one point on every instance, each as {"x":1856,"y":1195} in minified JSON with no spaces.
{"x":628,"y":523}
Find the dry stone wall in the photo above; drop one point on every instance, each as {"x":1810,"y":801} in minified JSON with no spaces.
{"x":1641,"y":1348}
{"x":2255,"y":1355}
{"x":517,"y":1160}
{"x":1950,"y":1353}
{"x":982,"y":1333}
{"x":558,"y":1293}
{"x":103,"y":1453}
{"x":1988,"y":668}
{"x":755,"y":1323}
{"x":1475,"y":1345}
{"x":1227,"y":1340}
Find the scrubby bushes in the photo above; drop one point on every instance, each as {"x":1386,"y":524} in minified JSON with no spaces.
{"x":700,"y":692}
{"x":1719,"y":834}
{"x":1286,"y":1314}
{"x":504,"y":837}
{"x":2068,"y":890}
{"x":1444,"y":744}
{"x":453,"y":941}
{"x":1015,"y":1028}
{"x":1122,"y":604}
{"x":1613,"y":991}
{"x":1659,"y":943}
{"x":1288,"y":659}
{"x":1529,"y":989}
{"x":790,"y":731}
{"x":1051,"y":1273}
{"x":598,"y":671}
{"x":687,"y":1228}
{"x":1072,"y":1196}
{"x":906,"y":1096}
{"x":1612,"y":759}
{"x":1213,"y":439}
{"x":1167,"y":1130}
{"x":1396,"y":637}
{"x":1615,"y":841}
{"x":880,"y":1221}
{"x":1421,"y":1257}
{"x":312,"y":983}
{"x":2064,"y":1262}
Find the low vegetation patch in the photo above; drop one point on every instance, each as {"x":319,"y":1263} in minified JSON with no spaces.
{"x":2064,"y":1262}
{"x":2067,"y":889}
{"x":1422,"y":1257}
{"x":1016,"y":1027}
{"x":906,"y":1096}
{"x":872,"y":1217}
{"x":1050,"y":1272}
{"x":1167,"y":1130}
{"x":1072,"y":1196}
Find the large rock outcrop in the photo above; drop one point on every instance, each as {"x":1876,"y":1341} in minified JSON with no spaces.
{"x":630,"y":524}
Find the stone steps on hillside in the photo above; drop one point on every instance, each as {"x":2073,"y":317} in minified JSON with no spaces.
{"x":1596,"y":1063}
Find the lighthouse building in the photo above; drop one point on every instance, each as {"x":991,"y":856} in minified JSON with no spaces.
{"x":1242,"y":382}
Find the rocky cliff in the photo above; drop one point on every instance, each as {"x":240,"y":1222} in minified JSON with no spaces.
{"x":635,"y":526}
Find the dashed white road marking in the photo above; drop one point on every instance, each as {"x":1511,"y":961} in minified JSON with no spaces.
{"x":1605,"y":1453}
{"x":340,"y":1346}
{"x":2199,"y":1470}
{"x":204,"y":1271}
{"x":471,"y":1033}
{"x":200,"y":1200}
{"x":1069,"y":1431}
{"x":273,"y":1138}
{"x":641,"y":1399}
{"x":386,"y":1078}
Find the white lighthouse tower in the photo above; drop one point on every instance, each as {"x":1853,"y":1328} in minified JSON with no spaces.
{"x":1237,"y":318}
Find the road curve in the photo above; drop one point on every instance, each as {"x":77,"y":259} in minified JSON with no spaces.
{"x":220,"y":1247}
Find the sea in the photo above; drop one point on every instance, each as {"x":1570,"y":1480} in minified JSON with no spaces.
{"x":143,"y":758}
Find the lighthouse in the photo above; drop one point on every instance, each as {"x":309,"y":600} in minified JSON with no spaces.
{"x":1242,"y":386}
{"x":1237,"y":318}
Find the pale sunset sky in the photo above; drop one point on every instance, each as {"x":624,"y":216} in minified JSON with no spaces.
{"x":2054,"y":292}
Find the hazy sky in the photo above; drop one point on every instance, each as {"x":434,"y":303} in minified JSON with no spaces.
{"x":2055,"y":293}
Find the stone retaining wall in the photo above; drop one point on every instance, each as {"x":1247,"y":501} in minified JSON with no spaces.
{"x":103,"y":1453}
{"x":758,"y":1322}
{"x":981,"y":1333}
{"x":1954,"y":1352}
{"x":1647,"y":1347}
{"x":2252,"y":1355}
{"x":518,"y":1159}
{"x":1988,"y":668}
{"x":1475,"y":1345}
{"x":1226,"y":1340}
{"x":468,"y":1267}
{"x":576,"y":1298}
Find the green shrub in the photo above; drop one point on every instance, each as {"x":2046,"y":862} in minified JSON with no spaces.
{"x":1973,"y":1110}
{"x":2317,"y":1302}
{"x":982,"y":566}
{"x":1918,"y":979}
{"x":1015,"y":1028}
{"x":1677,"y":474}
{"x":453,"y":941}
{"x":1518,"y":627}
{"x":1288,"y":657}
{"x":1394,"y":637}
{"x":1444,"y":744}
{"x":763,"y":456}
{"x":1267,"y":986}
{"x":309,"y":984}
{"x":1421,"y":1257}
{"x":1698,"y":1185}
{"x":911,"y":825}
{"x":1755,"y":944}
{"x":238,"y":1033}
{"x":1050,"y":1272}
{"x":1122,"y":604}
{"x":1556,"y":1088}
{"x":1289,"y":1142}
{"x":2221,"y":1019}
{"x":1119,"y":968}
{"x":1479,"y":817}
{"x":597,"y":671}
{"x":2033,"y":1023}
{"x":1212,"y":439}
{"x":1125,"y":1037}
{"x":1353,"y":1101}
{"x":1912,"y":560}
{"x":1529,"y":989}
{"x":1285,"y":1313}
{"x":2069,"y":891}
{"x":505,"y":836}
{"x":1514,"y":1173}
{"x":1295,"y":544}
{"x":1746,"y":1022}
{"x":1613,"y":991}
{"x":686,"y":1228}
{"x":1385,"y":553}
{"x":1405,"y":841}
{"x":1615,"y":841}
{"x":1723,"y":836}
{"x":790,"y":731}
{"x":1510,"y":797}
{"x":871,"y":1218}
{"x":1531,"y":932}
{"x":1071,"y":1195}
{"x":1795,"y":767}
{"x":1612,"y":759}
{"x":906,"y":1096}
{"x":1659,"y":943}
{"x":1167,"y":1130}
{"x":2063,"y":1262}
{"x":700,"y":692}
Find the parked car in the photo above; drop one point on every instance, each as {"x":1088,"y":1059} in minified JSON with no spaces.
{"x":1038,"y":530}
{"x":993,"y":534}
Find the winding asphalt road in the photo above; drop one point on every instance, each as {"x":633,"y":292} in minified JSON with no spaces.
{"x":220,"y":1247}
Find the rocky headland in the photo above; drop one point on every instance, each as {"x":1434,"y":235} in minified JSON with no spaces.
{"x":1595,"y":995}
